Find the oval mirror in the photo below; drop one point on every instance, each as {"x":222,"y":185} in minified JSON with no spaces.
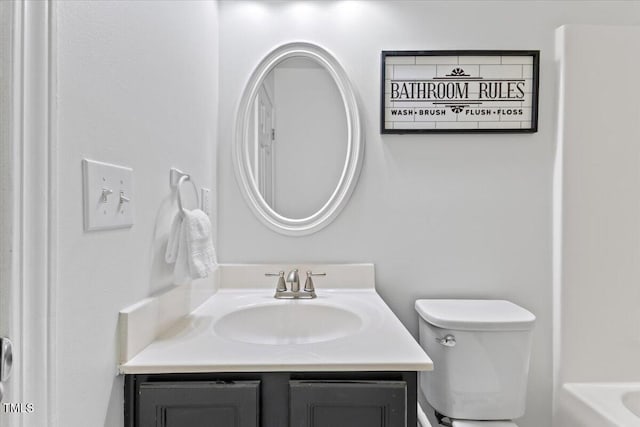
{"x":298,"y":148}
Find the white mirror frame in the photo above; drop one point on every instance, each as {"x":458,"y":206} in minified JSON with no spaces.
{"x":355,"y":143}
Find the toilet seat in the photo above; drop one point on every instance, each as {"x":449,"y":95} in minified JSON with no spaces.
{"x":472,"y":423}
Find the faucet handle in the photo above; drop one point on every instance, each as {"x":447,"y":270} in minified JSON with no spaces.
{"x":281,"y":286}
{"x":308,"y":284}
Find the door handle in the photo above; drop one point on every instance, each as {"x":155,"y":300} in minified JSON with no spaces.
{"x":6,"y":358}
{"x":6,"y":362}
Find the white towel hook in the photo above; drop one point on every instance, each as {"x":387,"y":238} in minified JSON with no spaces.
{"x":176,"y":178}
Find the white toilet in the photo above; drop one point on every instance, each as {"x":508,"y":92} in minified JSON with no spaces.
{"x":480,"y":351}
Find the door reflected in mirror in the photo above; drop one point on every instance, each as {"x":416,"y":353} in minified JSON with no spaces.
{"x":297,"y":143}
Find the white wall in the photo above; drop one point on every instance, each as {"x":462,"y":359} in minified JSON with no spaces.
{"x":598,"y":281}
{"x":137,"y":86}
{"x":439,"y":215}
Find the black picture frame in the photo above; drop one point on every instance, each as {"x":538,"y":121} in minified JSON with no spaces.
{"x":534,"y":84}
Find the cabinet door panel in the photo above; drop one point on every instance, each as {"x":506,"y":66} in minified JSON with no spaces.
{"x":348,"y":404}
{"x":199,"y":404}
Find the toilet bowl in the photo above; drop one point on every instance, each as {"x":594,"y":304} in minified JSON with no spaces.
{"x":480,"y":350}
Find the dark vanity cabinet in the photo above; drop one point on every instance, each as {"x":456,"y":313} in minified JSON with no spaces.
{"x":198,"y":403}
{"x":271,"y":399}
{"x":344,"y":404}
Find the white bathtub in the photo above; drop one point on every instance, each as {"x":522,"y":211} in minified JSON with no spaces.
{"x":599,"y":405}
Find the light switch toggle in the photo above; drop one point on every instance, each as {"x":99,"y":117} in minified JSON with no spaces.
{"x":105,"y":193}
{"x":124,"y":198}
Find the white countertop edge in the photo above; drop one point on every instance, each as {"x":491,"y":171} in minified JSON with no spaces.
{"x":324,"y":367}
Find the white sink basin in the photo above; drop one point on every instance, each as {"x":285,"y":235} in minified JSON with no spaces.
{"x":289,"y":322}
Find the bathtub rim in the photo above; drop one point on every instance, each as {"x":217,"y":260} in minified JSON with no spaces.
{"x":599,"y":403}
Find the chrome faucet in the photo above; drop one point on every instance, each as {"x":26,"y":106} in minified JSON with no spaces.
{"x":293,"y":277}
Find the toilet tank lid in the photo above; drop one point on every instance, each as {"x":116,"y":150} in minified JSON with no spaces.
{"x":475,"y":315}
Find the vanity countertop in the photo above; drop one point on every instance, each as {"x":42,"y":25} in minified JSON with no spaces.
{"x":372,"y":339}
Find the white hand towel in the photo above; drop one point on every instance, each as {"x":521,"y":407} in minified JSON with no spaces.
{"x":200,"y":252}
{"x":190,"y":247}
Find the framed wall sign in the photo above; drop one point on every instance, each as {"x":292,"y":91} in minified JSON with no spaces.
{"x":447,"y":91}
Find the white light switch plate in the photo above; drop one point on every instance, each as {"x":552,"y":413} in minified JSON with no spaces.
{"x":107,"y":188}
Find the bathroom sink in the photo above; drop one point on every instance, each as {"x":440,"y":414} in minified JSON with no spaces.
{"x":290,"y":322}
{"x":241,"y":327}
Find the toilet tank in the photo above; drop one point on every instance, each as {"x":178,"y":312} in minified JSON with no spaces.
{"x":480,"y":371}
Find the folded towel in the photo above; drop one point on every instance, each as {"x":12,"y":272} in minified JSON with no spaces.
{"x":190,"y":246}
{"x":200,"y":252}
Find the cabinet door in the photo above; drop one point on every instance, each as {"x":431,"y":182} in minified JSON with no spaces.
{"x":348,"y":404}
{"x":199,"y":404}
